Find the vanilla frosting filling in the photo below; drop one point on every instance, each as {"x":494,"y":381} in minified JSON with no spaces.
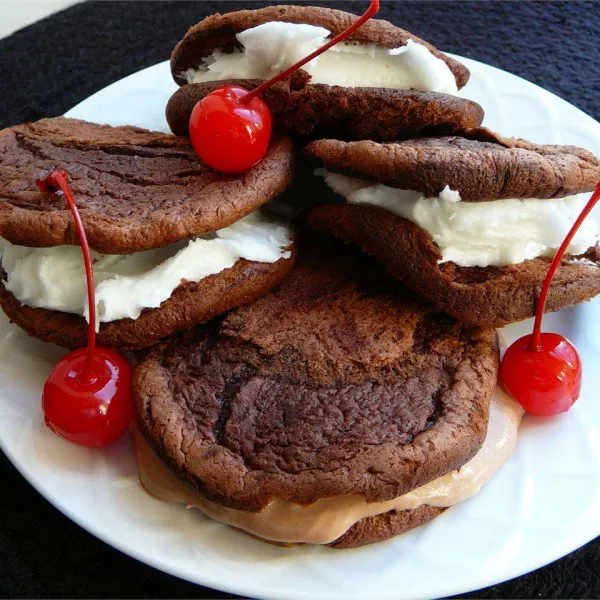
{"x":329,"y":518}
{"x":479,"y":234}
{"x":272,"y":47}
{"x":54,"y":278}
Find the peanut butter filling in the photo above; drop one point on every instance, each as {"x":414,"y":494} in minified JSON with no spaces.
{"x":328,"y":519}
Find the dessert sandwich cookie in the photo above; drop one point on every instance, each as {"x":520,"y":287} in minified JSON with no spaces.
{"x":338,"y":409}
{"x":470,"y":222}
{"x":381,"y":83}
{"x":174,"y":243}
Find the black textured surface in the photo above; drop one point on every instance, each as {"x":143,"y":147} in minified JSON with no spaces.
{"x":52,"y":65}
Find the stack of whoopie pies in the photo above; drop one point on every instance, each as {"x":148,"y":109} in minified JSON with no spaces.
{"x":352,"y":396}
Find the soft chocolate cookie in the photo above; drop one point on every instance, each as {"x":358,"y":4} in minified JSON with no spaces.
{"x":218,"y":32}
{"x":479,"y":164}
{"x":135,"y":189}
{"x":339,"y":382}
{"x":316,"y":111}
{"x":487,"y":296}
{"x":190,"y":304}
{"x":382,"y":527}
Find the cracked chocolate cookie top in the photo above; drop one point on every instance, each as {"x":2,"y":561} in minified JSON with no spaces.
{"x":480,"y":164}
{"x":135,"y":189}
{"x":338,"y":382}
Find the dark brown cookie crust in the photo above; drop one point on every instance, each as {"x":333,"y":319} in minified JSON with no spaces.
{"x":480,"y":164}
{"x":219,"y":31}
{"x":190,"y":304}
{"x":486,"y":296}
{"x":338,"y":382}
{"x":385,"y":526}
{"x":316,"y":111}
{"x":135,"y":189}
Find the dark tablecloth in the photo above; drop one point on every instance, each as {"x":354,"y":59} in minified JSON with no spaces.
{"x":48,"y":67}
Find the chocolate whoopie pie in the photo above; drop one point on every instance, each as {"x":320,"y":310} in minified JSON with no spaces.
{"x":135,"y":189}
{"x":175,"y":242}
{"x":325,"y":99}
{"x":338,"y":386}
{"x":404,"y":198}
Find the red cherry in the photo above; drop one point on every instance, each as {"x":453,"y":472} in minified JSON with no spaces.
{"x":543,"y":370}
{"x":228,"y":135}
{"x":87,"y":398}
{"x":545,"y":381}
{"x":90,"y":411}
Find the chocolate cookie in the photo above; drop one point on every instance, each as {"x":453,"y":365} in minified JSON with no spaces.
{"x":218,"y":32}
{"x":487,"y":296}
{"x":383,"y":527}
{"x":190,"y":304}
{"x":324,"y":111}
{"x":135,"y":189}
{"x":339,"y":382}
{"x":480,"y":164}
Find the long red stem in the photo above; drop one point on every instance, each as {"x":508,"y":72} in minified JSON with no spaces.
{"x":536,"y":339}
{"x":60,"y":179}
{"x":372,"y":10}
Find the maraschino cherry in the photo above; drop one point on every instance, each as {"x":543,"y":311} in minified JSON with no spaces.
{"x":229,"y":134}
{"x":230,"y":128}
{"x":87,"y":397}
{"x":542,"y":371}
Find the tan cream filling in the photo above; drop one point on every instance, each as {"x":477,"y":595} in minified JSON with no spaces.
{"x":329,"y":518}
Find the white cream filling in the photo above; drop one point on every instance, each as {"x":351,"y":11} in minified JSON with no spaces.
{"x":329,"y":518}
{"x":497,"y":233}
{"x":54,"y":278}
{"x":272,"y":47}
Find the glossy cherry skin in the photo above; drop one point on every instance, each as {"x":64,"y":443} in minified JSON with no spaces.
{"x":92,"y":411}
{"x":547,"y":381}
{"x":227,"y":135}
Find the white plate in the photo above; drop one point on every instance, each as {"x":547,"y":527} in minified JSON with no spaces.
{"x":544,"y":503}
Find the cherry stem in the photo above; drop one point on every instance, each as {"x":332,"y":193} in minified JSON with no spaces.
{"x":372,"y":10}
{"x":536,"y":339}
{"x":60,"y":179}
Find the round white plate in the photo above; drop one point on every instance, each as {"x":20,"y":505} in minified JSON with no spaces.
{"x":544,"y":503}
